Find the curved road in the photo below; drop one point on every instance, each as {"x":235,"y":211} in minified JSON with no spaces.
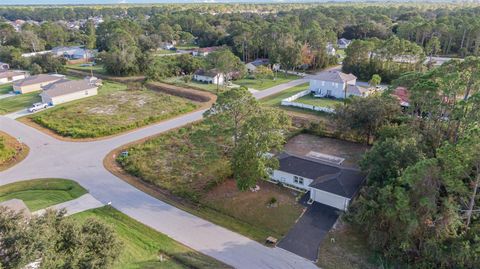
{"x":83,"y":162}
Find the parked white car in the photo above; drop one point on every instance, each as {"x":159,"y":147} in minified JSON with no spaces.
{"x":37,"y":106}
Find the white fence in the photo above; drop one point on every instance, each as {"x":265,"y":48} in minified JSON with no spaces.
{"x":289,"y":102}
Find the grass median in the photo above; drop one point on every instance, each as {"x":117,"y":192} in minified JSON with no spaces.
{"x":42,"y":193}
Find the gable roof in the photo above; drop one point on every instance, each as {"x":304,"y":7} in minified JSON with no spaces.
{"x":37,"y":79}
{"x":334,"y":76}
{"x":329,"y":178}
{"x":358,"y":90}
{"x":66,"y":86}
{"x":9,"y":73}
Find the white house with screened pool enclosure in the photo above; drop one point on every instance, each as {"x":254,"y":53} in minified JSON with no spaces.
{"x":328,"y":183}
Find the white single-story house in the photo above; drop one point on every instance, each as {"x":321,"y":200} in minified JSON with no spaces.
{"x":210,"y":76}
{"x":7,"y":76}
{"x":252,"y":66}
{"x":69,"y":90}
{"x":204,"y":51}
{"x":35,"y":83}
{"x":328,"y":184}
{"x":336,"y":84}
{"x":330,"y":49}
{"x":4,"y":66}
{"x":343,"y":43}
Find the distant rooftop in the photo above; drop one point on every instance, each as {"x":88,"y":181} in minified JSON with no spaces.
{"x":334,"y":76}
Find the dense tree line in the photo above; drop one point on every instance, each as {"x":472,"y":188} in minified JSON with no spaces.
{"x":420,"y":205}
{"x":54,"y":241}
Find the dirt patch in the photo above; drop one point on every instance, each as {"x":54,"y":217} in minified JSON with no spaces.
{"x":304,"y":143}
{"x":21,"y":151}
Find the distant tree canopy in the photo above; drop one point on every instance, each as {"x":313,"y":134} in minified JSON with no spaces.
{"x":420,"y":206}
{"x":291,"y":34}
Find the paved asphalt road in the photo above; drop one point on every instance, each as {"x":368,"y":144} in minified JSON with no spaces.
{"x":83,"y":162}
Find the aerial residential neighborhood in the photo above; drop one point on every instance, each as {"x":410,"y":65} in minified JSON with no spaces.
{"x":239,"y":135}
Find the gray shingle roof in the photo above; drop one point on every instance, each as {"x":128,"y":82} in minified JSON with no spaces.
{"x":37,"y":79}
{"x":333,"y":179}
{"x":9,"y":74}
{"x":64,"y":87}
{"x":334,"y":76}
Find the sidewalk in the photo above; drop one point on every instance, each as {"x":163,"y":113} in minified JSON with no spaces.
{"x":82,"y":203}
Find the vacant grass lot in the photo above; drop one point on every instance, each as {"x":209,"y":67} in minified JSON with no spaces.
{"x":320,"y":102}
{"x":42,"y":193}
{"x":18,"y":102}
{"x":267,"y":83}
{"x":143,"y":246}
{"x":12,"y":151}
{"x":114,"y":110}
{"x":6,"y":88}
{"x":98,"y":68}
{"x":189,"y":162}
{"x":178,"y":81}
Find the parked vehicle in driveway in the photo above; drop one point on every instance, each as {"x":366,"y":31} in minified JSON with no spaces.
{"x":37,"y":107}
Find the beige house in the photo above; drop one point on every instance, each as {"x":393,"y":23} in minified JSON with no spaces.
{"x":69,"y":90}
{"x":7,"y":76}
{"x":35,"y":83}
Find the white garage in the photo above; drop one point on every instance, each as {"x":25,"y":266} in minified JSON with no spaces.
{"x":328,"y":184}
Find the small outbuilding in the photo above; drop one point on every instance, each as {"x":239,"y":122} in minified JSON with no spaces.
{"x":69,"y":90}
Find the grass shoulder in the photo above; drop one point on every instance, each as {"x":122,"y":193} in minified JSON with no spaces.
{"x":258,"y":84}
{"x":6,"y":88}
{"x":143,"y":247}
{"x":114,"y":110}
{"x":18,"y":102}
{"x":42,"y":193}
{"x":12,"y":151}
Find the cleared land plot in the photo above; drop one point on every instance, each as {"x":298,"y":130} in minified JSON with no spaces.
{"x":179,"y":81}
{"x":344,"y":248}
{"x":4,"y":89}
{"x":190,"y":163}
{"x":98,"y":68}
{"x":18,"y":102}
{"x":12,"y":151}
{"x":320,"y":102}
{"x":143,"y":246}
{"x":114,"y":110}
{"x":304,"y":143}
{"x":42,"y":193}
{"x":266,"y":83}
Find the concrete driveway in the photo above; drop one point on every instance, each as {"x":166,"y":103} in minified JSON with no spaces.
{"x":83,"y":162}
{"x":305,"y":237}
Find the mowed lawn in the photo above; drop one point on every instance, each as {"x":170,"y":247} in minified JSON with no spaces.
{"x":115,"y":109}
{"x":320,"y":102}
{"x":190,"y":163}
{"x":275,"y":100}
{"x":143,"y":247}
{"x":42,"y":193}
{"x":6,"y":88}
{"x":18,"y":102}
{"x":98,"y":68}
{"x":266,"y":83}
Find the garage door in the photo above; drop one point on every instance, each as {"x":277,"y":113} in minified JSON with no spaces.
{"x":330,"y":199}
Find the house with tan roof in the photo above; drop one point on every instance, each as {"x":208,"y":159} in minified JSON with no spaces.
{"x":8,"y":76}
{"x":336,"y":84}
{"x":35,"y":83}
{"x":69,"y":90}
